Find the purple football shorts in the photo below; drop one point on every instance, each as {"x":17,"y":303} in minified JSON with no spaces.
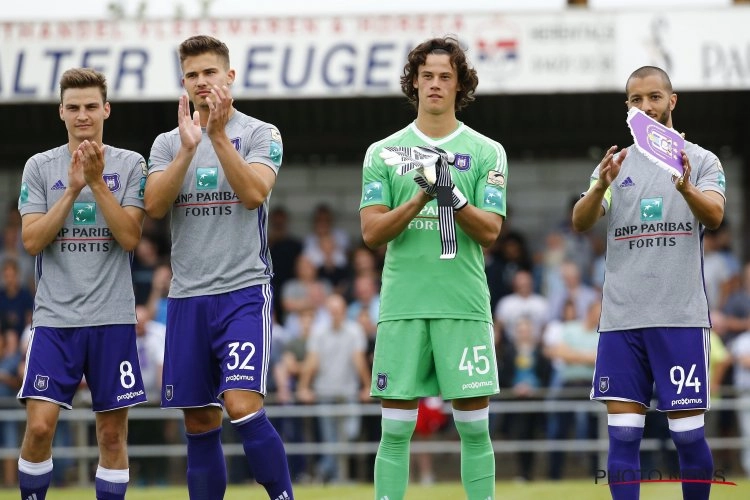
{"x":630,"y":363}
{"x":107,"y":356}
{"x":216,"y":343}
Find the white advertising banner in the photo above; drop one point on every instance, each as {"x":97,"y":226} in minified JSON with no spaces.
{"x":574,"y":50}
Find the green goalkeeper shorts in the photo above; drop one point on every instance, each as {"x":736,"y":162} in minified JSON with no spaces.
{"x":451,"y":358}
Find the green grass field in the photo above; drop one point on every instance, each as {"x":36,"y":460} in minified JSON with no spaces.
{"x":578,"y":490}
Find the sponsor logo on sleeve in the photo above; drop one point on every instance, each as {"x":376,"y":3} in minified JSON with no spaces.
{"x":373,"y":191}
{"x":276,"y":152}
{"x":493,"y":198}
{"x":495,"y":178}
{"x":23,"y":196}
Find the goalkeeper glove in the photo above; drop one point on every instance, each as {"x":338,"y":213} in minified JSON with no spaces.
{"x":423,"y":160}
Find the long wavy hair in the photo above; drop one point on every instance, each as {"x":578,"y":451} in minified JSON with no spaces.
{"x":467,"y":76}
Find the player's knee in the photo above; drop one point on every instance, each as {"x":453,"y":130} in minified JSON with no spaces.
{"x":397,"y":430}
{"x":472,"y":425}
{"x":240,"y":404}
{"x":40,"y":432}
{"x":201,"y":420}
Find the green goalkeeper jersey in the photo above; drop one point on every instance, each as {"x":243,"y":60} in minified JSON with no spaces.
{"x":416,"y":282}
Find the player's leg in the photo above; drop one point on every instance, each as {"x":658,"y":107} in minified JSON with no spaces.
{"x":244,"y":350}
{"x":625,"y":423}
{"x":113,"y":374}
{"x":206,"y":466}
{"x":190,"y":382}
{"x":403,"y":370}
{"x":54,"y":367}
{"x":696,"y":462}
{"x":622,"y":379}
{"x":261,"y":442}
{"x":112,"y":473}
{"x":35,"y":462}
{"x":471,"y":416}
{"x":467,"y":376}
{"x":681,"y":374}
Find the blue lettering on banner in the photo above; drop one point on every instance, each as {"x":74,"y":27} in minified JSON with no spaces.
{"x":57,"y":56}
{"x":130,"y":63}
{"x":88,"y":55}
{"x":268,"y":68}
{"x":348,"y":69}
{"x":373,"y":63}
{"x":17,"y":88}
{"x":137,"y":70}
{"x":252,"y":65}
{"x":306,"y":74}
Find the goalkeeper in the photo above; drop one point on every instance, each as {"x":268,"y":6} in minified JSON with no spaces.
{"x":434,"y":333}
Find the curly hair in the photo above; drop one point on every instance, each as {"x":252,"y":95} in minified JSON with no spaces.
{"x":467,"y":76}
{"x":83,"y":78}
{"x":200,"y":44}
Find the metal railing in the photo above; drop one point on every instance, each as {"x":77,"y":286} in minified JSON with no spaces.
{"x":83,"y":449}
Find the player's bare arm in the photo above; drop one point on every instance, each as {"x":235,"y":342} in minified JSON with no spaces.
{"x":125,"y":223}
{"x":707,"y":206}
{"x":380,"y":225}
{"x":39,"y":230}
{"x":163,"y":187}
{"x":252,"y":185}
{"x":589,"y":208}
{"x":481,"y":226}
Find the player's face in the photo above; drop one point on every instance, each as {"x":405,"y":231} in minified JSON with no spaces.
{"x":201,"y":73}
{"x":84,"y":112}
{"x":437,"y":85}
{"x":651,"y":96}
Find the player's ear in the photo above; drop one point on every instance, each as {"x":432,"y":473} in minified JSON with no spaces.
{"x":672,"y":101}
{"x":230,"y":77}
{"x":61,"y":112}
{"x":107,"y":110}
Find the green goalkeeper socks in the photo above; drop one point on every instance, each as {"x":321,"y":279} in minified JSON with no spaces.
{"x":392,"y":460}
{"x":477,"y":456}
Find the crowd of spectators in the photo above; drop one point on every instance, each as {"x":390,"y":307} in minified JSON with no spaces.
{"x":546,"y":303}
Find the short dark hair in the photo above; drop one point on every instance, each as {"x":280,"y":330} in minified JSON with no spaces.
{"x":83,"y":78}
{"x":467,"y":76}
{"x":200,"y":44}
{"x":645,"y":71}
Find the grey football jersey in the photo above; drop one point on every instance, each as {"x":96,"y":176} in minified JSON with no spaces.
{"x":654,"y":261}
{"x":217,"y":244}
{"x":83,"y":277}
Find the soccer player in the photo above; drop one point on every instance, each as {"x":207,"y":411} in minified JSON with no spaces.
{"x":654,"y":324}
{"x":435,"y":328}
{"x":214,"y":174}
{"x":82,"y":208}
